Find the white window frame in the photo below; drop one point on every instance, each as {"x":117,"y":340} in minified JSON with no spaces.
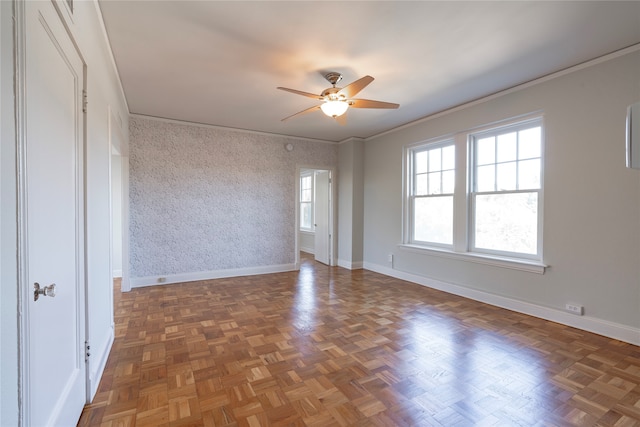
{"x":463,"y":245}
{"x":412,"y":152}
{"x":310,"y":174}
{"x":473,"y":193}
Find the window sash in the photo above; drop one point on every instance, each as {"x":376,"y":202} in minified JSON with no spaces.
{"x":506,"y":165}
{"x":432,"y":181}
{"x":512,"y":224}
{"x":306,"y":202}
{"x":306,"y":208}
{"x":439,"y":236}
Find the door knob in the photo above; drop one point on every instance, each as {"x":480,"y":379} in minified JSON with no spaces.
{"x":47,"y":291}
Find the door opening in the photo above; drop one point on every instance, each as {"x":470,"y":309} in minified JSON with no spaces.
{"x":119,"y":203}
{"x":315,"y":218}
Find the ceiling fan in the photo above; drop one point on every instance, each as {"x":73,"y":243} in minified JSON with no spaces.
{"x":338,"y":100}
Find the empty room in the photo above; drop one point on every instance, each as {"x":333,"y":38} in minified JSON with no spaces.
{"x":319,"y":213}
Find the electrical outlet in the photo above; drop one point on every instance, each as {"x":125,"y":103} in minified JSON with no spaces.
{"x":162,"y":279}
{"x":390,"y":258}
{"x":575,"y":309}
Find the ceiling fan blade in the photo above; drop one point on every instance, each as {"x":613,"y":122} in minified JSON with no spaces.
{"x":308,"y":110}
{"x":342,"y":119}
{"x":355,"y":87}
{"x":367,"y":103}
{"x":299,"y":92}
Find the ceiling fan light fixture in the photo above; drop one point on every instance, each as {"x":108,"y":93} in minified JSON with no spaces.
{"x":334,"y":108}
{"x":337,"y":100}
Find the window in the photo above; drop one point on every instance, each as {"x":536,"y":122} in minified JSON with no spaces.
{"x":306,"y":201}
{"x":506,"y":188}
{"x":478,"y":194}
{"x":433,"y":180}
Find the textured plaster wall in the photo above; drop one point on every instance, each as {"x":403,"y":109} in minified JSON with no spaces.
{"x":209,"y":199}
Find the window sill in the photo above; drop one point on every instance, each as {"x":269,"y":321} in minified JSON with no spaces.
{"x":310,"y":232}
{"x":496,"y":261}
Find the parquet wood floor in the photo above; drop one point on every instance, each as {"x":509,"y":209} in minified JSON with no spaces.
{"x":326,"y":346}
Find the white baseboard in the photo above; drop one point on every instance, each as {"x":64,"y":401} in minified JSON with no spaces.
{"x":137,"y":282}
{"x":99,"y":356}
{"x":350,"y":265}
{"x":311,"y":251}
{"x":117,"y":274}
{"x":587,"y":323}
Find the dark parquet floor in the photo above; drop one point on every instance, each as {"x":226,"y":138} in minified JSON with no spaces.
{"x":326,"y":346}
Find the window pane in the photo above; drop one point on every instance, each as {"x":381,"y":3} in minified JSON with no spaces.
{"x":529,"y":174}
{"x":435,"y":157}
{"x":305,"y":215}
{"x":422,"y":185}
{"x":305,"y":182}
{"x":529,"y":144}
{"x":507,"y":222}
{"x":434,"y":183}
{"x":448,"y":157}
{"x":448,"y":182}
{"x":507,"y":147}
{"x":506,"y":176}
{"x":305,"y":195}
{"x":421,"y":161}
{"x":433,"y":219}
{"x":486,"y":151}
{"x":486,"y":178}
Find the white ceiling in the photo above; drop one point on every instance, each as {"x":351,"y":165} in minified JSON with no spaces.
{"x":219,"y":62}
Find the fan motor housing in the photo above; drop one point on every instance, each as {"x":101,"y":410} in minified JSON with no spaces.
{"x":331,"y":94}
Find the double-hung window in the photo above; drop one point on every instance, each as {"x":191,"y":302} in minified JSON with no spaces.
{"x":506,"y":190}
{"x":433,"y":182}
{"x":306,"y":201}
{"x":478,"y":195}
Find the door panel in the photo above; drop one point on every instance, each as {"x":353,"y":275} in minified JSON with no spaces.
{"x":322,"y":240}
{"x":56,"y":372}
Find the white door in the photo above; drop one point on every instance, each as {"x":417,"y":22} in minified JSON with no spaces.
{"x":322,"y":216}
{"x":54,"y":380}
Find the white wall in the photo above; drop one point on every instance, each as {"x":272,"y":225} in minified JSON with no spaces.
{"x":116,"y":209}
{"x":591,"y":202}
{"x":307,"y":241}
{"x":105,"y":99}
{"x":351,"y":203}
{"x":207,"y":202}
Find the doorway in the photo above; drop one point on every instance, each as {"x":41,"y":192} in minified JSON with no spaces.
{"x":119,"y":202}
{"x":315,"y":214}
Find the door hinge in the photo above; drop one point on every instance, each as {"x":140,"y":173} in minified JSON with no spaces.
{"x":87,"y":353}
{"x":84,"y":101}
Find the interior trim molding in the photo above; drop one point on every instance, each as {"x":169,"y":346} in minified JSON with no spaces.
{"x":138,"y":282}
{"x":590,"y":63}
{"x":20,"y":108}
{"x":254,"y":132}
{"x":587,"y":323}
{"x":112,"y":59}
{"x":101,"y":357}
{"x":530,"y":266}
{"x":357,"y":265}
